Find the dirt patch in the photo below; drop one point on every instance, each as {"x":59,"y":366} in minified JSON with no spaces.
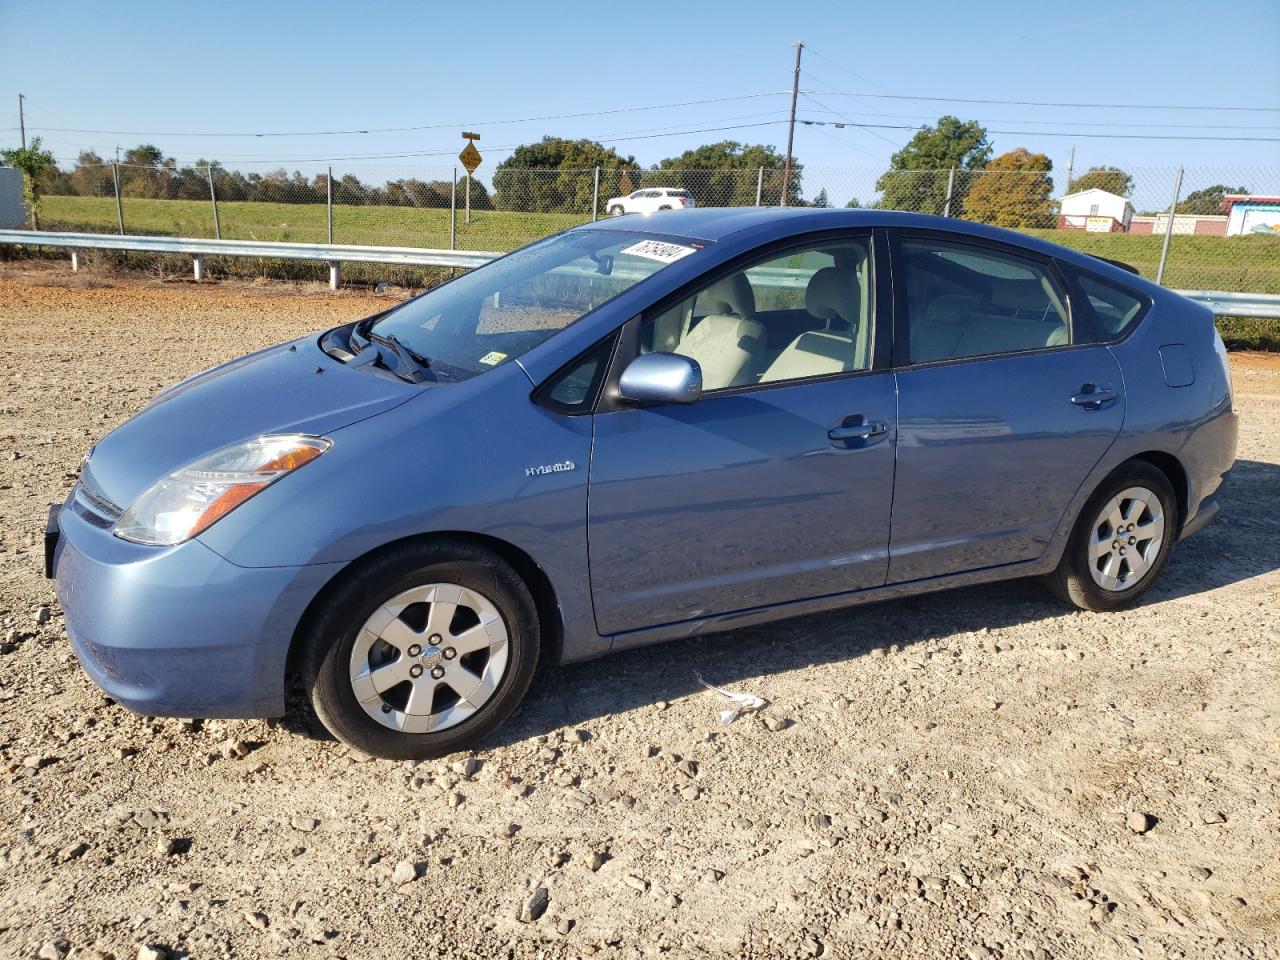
{"x":948,"y":776}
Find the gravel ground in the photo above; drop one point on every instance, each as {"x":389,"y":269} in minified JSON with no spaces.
{"x":980,"y":773}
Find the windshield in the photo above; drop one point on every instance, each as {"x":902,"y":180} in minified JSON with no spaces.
{"x":497,"y":312}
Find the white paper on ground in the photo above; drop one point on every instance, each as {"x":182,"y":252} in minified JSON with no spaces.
{"x":746,"y":702}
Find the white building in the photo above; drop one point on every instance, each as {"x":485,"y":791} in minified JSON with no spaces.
{"x":1094,"y":210}
{"x":1252,"y":214}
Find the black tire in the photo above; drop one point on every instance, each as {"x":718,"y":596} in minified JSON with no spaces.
{"x":1073,"y":580}
{"x":332,"y":627}
{"x":616,"y":211}
{"x":664,"y":207}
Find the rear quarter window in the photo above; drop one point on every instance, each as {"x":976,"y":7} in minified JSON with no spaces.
{"x":1115,"y":309}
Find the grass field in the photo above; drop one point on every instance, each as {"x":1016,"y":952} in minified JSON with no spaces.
{"x":305,"y":223}
{"x":1250,"y":264}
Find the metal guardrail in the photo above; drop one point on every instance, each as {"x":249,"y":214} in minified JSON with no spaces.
{"x":198,"y":249}
{"x":1222,"y":303}
{"x":1225,"y":304}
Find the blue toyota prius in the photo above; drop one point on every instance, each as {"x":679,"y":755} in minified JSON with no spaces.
{"x":633,"y":432}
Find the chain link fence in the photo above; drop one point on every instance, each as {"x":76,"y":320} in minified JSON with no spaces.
{"x":1212,"y":242}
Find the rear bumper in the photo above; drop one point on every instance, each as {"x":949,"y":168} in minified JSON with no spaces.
{"x":178,"y":631}
{"x":1205,"y":515}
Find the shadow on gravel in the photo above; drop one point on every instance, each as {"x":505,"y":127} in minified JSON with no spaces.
{"x":1243,"y":542}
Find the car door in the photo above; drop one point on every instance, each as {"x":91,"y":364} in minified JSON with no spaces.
{"x":1004,"y":405}
{"x":775,"y":485}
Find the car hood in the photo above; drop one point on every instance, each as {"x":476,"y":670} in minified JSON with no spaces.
{"x":291,"y":388}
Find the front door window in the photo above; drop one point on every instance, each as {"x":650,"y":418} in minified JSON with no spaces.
{"x":802,"y":314}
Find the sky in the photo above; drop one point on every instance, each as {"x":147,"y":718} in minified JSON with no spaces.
{"x":200,"y":80}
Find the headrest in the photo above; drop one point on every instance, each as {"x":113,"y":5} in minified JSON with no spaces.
{"x":832,"y":294}
{"x":731,"y":294}
{"x":951,"y":308}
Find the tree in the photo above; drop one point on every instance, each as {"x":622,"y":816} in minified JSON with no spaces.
{"x":726,"y":174}
{"x":821,"y":199}
{"x":853,"y":204}
{"x":32,"y":161}
{"x":1111,"y":179}
{"x":1013,"y":191}
{"x":1207,"y":201}
{"x":143,"y":155}
{"x":556,"y":175}
{"x":918,"y":173}
{"x":140,"y":172}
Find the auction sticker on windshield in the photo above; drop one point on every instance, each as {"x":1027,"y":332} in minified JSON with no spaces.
{"x":659,"y":250}
{"x":493,"y":358}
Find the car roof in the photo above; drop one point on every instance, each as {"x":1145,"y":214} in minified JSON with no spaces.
{"x":715,"y":224}
{"x":700,"y":223}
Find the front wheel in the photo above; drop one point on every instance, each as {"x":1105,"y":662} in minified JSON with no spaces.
{"x":1120,"y":542}
{"x":421,"y":651}
{"x":616,"y":211}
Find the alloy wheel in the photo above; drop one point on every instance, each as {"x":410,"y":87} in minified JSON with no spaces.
{"x":1126,"y":539}
{"x":429,"y":658}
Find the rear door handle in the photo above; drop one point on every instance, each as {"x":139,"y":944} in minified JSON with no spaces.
{"x":1094,"y":397}
{"x":862,"y":429}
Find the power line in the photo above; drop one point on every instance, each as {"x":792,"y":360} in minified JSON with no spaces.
{"x":1062,"y":133}
{"x":847,"y":146}
{"x":672,"y":130}
{"x":499,"y":149}
{"x":1045,"y":103}
{"x":865,"y":128}
{"x":431,"y":126}
{"x":848,"y":70}
{"x":1126,"y":124}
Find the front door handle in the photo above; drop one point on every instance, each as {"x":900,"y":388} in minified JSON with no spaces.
{"x":862,"y":429}
{"x":1094,"y":397}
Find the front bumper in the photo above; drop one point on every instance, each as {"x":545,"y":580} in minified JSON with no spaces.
{"x":177,"y":631}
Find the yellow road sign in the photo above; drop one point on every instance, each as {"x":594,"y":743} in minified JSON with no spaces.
{"x":470,"y":157}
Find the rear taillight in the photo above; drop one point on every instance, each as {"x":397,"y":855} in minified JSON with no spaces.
{"x":1220,"y":349}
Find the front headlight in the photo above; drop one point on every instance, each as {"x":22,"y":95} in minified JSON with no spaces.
{"x":191,"y":499}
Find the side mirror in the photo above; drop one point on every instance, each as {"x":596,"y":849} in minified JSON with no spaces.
{"x":661,"y":378}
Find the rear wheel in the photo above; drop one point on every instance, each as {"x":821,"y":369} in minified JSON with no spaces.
{"x":1120,"y":542}
{"x":422,"y":651}
{"x":665,"y":206}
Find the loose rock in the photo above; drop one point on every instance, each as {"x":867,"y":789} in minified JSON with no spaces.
{"x":1139,"y":822}
{"x":534,"y":905}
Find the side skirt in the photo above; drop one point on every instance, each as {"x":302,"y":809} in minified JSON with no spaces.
{"x":798,"y":608}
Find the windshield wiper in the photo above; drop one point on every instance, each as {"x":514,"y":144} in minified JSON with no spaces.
{"x":409,"y":365}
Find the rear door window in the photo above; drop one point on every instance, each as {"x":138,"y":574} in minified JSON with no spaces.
{"x":1115,"y":310}
{"x":967,"y":300}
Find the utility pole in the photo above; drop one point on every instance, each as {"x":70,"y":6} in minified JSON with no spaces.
{"x":1168,"y":227}
{"x":1071,"y":162}
{"x":22,"y":121}
{"x":791,"y":127}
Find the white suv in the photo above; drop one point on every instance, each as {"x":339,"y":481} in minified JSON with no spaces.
{"x":649,"y":200}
